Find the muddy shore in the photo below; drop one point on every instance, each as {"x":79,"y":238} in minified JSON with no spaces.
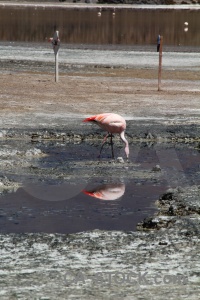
{"x":35,"y":111}
{"x":170,"y":114}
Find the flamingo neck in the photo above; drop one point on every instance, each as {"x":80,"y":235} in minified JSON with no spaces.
{"x":126,"y":143}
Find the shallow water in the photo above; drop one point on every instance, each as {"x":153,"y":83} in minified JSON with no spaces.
{"x":70,"y":190}
{"x":25,"y":213}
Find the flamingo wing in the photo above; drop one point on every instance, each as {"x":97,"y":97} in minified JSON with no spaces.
{"x":109,"y":122}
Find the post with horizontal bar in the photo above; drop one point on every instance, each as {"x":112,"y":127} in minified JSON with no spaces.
{"x":160,"y":63}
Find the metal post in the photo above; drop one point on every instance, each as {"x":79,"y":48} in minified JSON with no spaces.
{"x":160,"y":63}
{"x":56,"y":67}
{"x":55,"y":41}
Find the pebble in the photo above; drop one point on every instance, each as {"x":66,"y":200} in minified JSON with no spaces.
{"x":33,"y":152}
{"x":120,"y":160}
{"x":157,"y":168}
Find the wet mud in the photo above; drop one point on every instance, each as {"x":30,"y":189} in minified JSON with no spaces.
{"x":67,"y":217}
{"x":67,"y":209}
{"x":98,"y":264}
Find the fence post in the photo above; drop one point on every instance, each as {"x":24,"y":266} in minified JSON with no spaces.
{"x":55,"y":41}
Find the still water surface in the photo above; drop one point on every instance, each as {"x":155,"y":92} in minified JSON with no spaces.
{"x":87,"y":202}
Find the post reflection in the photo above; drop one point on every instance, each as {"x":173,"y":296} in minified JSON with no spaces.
{"x":107,"y":191}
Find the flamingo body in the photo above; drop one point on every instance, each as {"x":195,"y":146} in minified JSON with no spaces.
{"x":112,"y":123}
{"x":107,"y":192}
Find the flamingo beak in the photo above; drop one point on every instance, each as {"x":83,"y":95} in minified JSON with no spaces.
{"x":93,"y":194}
{"x":88,"y":193}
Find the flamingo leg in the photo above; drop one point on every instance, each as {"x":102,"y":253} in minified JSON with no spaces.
{"x":111,"y":142}
{"x":104,"y":140}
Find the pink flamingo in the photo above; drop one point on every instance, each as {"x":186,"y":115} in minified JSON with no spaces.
{"x":112,"y":123}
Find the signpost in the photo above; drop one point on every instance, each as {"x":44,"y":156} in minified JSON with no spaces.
{"x":55,"y":41}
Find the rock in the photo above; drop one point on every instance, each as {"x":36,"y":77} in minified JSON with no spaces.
{"x":120,"y":160}
{"x":2,"y":133}
{"x":33,"y":152}
{"x":149,"y":136}
{"x":157,"y":168}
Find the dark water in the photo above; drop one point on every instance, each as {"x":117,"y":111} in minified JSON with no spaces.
{"x":107,"y":201}
{"x":25,"y":213}
{"x":83,"y":26}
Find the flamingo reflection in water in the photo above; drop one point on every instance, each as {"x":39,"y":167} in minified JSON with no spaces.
{"x":107,"y":191}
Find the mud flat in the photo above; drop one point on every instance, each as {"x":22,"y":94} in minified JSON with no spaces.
{"x":55,"y":111}
{"x":162,"y":257}
{"x":103,"y":264}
